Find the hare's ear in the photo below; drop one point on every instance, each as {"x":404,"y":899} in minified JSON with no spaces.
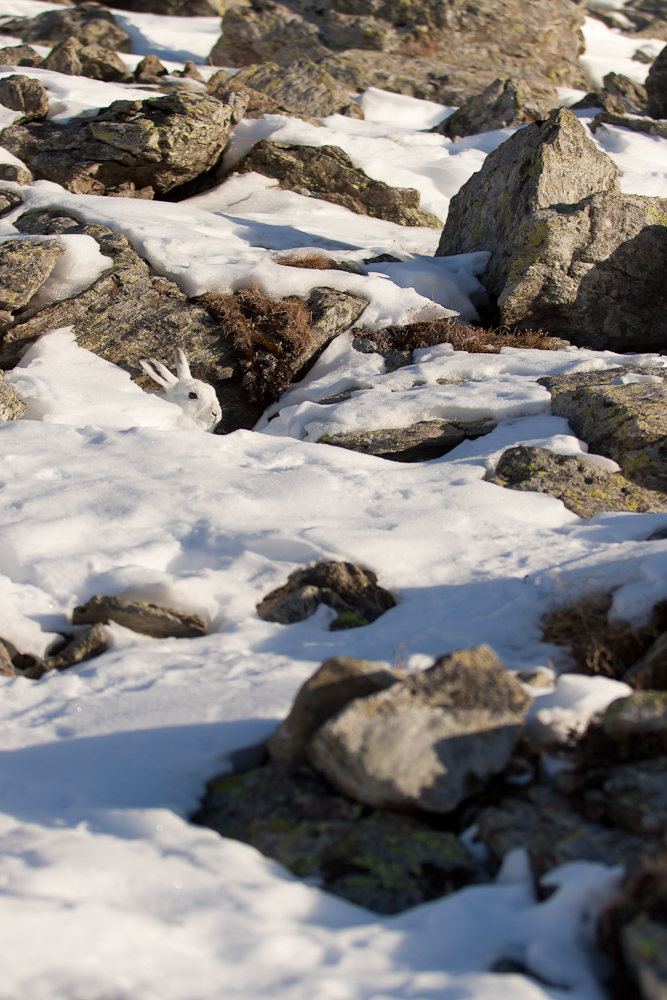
{"x":182,"y":366}
{"x":158,"y":372}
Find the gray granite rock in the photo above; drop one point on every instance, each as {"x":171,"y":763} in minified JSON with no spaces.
{"x":21,"y":93}
{"x":302,"y":86}
{"x":502,"y":104}
{"x":24,"y":267}
{"x":89,"y":22}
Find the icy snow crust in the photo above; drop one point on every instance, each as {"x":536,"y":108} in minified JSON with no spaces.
{"x":106,"y":891}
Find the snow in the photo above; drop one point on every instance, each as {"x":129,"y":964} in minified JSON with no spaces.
{"x":106,"y":890}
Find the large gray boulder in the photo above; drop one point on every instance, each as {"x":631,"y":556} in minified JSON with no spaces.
{"x":427,"y":742}
{"x":89,"y":22}
{"x":21,"y":93}
{"x":504,"y":103}
{"x":302,"y":86}
{"x":656,"y":86}
{"x":131,"y":148}
{"x":550,"y":163}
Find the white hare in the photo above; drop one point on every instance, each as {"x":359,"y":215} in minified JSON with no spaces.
{"x":197,"y":399}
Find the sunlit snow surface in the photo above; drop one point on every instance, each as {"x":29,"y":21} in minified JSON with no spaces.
{"x":106,"y":892}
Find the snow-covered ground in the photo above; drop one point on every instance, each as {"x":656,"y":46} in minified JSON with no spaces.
{"x":106,"y":891}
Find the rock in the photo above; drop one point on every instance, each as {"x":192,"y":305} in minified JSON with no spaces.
{"x":6,"y":665}
{"x":396,"y":46}
{"x":382,"y":861}
{"x":149,"y":70}
{"x":553,"y":833}
{"x":149,"y":619}
{"x":302,"y":86}
{"x":327,"y":172}
{"x":351,"y":591}
{"x":650,"y":672}
{"x":331,"y":312}
{"x":19,"y":55}
{"x":647,"y":125}
{"x":592,"y":272}
{"x":417,"y":443}
{"x":11,"y":406}
{"x":645,"y":951}
{"x":176,"y":8}
{"x":24,"y":267}
{"x":91,"y":23}
{"x":21,"y":93}
{"x":631,"y":95}
{"x":581,"y":485}
{"x":131,"y":148}
{"x":8,"y":201}
{"x":631,"y":796}
{"x":94,"y":61}
{"x":190,"y":72}
{"x":334,"y":684}
{"x":599,"y":99}
{"x":18,"y":173}
{"x":88,"y":643}
{"x":643,"y":713}
{"x":427,"y":742}
{"x":64,"y":58}
{"x":504,"y":103}
{"x":540,"y":165}
{"x":656,"y":86}
{"x":620,"y":414}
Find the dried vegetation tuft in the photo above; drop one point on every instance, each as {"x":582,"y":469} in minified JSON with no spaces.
{"x":315,"y":261}
{"x":475,"y":340}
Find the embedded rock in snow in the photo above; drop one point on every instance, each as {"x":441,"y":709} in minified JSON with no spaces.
{"x":149,"y":619}
{"x":383,"y":861}
{"x":24,"y":267}
{"x":593,"y":272}
{"x":427,"y":742}
{"x":504,"y":103}
{"x":6,"y":665}
{"x":176,"y":8}
{"x":302,"y":86}
{"x":650,"y":672}
{"x":18,"y":173}
{"x":149,"y":70}
{"x":74,"y":58}
{"x":631,"y":796}
{"x":332,"y":312}
{"x":579,"y":483}
{"x":131,"y":148}
{"x":334,"y":684}
{"x":85,"y":645}
{"x":631,"y":95}
{"x":11,"y":407}
{"x":398,"y":46}
{"x":646,"y":125}
{"x":656,"y":86}
{"x":351,"y":591}
{"x":19,"y":55}
{"x":620,"y":413}
{"x":327,"y":172}
{"x":641,"y":717}
{"x":417,"y":443}
{"x":21,"y":93}
{"x":543,"y":164}
{"x":64,"y":58}
{"x":89,"y":22}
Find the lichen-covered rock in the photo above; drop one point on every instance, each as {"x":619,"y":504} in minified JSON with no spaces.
{"x":6,"y":665}
{"x":544,"y":164}
{"x":397,"y":45}
{"x":656,"y":86}
{"x":417,"y":443}
{"x":303,"y":86}
{"x":579,"y":483}
{"x":504,"y":103}
{"x":91,"y":23}
{"x":21,"y":93}
{"x":19,"y":55}
{"x":8,"y":201}
{"x":85,"y":645}
{"x":593,"y":272}
{"x":24,"y":267}
{"x":176,"y":8}
{"x":11,"y":406}
{"x":330,"y":688}
{"x":650,"y":672}
{"x":631,"y":796}
{"x":131,"y":148}
{"x":646,"y":125}
{"x":74,"y":58}
{"x":16,"y":172}
{"x":327,"y":172}
{"x":149,"y":619}
{"x":351,"y":591}
{"x":630,"y":94}
{"x":623,"y":417}
{"x":427,"y":742}
{"x":382,"y":861}
{"x":64,"y":58}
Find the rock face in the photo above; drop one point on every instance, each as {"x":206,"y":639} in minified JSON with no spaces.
{"x":551,"y":163}
{"x":656,"y":87}
{"x":427,"y":742}
{"x":352,"y":592}
{"x":11,"y":407}
{"x":620,"y":414}
{"x":403,"y":47}
{"x":24,"y":267}
{"x":581,"y":485}
{"x":131,"y":148}
{"x":504,"y":103}
{"x":327,"y":172}
{"x":417,"y":443}
{"x":21,"y":93}
{"x":149,"y":619}
{"x":302,"y":86}
{"x":91,"y":23}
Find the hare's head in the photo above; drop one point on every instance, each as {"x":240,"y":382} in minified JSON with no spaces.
{"x":197,"y":399}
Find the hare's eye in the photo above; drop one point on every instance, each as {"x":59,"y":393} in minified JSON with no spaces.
{"x":193,"y":395}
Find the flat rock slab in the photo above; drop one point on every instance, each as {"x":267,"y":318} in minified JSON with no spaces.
{"x":351,"y":591}
{"x":302,"y":86}
{"x":581,"y":485}
{"x":428,"y":742}
{"x":327,"y":172}
{"x":418,"y":443}
{"x":90,"y":642}
{"x":24,"y":267}
{"x":149,"y":619}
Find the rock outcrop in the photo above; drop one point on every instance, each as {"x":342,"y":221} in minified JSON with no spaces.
{"x":327,"y":172}
{"x":302,"y":86}
{"x":504,"y":103}
{"x":91,"y":23}
{"x":24,"y":267}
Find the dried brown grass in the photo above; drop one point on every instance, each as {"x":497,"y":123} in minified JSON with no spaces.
{"x":315,"y":261}
{"x":474,"y":340}
{"x":598,"y":645}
